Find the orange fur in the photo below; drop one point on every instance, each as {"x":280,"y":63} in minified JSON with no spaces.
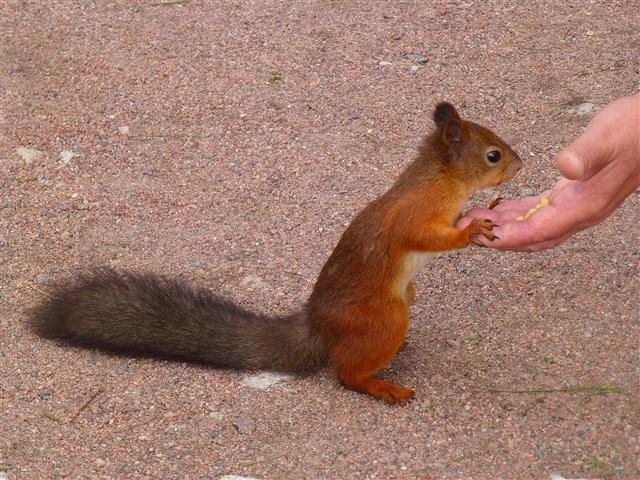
{"x":358,"y":313}
{"x":360,"y":303}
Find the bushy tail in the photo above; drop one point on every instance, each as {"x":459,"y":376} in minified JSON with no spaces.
{"x":149,"y":315}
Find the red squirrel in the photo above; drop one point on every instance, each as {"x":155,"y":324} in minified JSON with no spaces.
{"x":357,"y":316}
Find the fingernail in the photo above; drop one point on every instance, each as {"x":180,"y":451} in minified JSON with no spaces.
{"x":577,"y":164}
{"x":573,"y":166}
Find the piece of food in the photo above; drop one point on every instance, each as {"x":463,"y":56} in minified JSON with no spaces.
{"x":543,"y":202}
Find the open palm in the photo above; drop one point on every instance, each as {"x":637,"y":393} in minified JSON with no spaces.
{"x":603,"y":168}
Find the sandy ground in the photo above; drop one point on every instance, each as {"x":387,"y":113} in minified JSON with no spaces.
{"x":230,"y":143}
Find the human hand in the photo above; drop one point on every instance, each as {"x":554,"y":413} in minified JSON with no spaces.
{"x":602,"y":168}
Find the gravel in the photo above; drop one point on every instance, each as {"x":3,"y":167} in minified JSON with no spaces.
{"x":245,"y":425}
{"x":255,"y":131}
{"x":416,"y":57}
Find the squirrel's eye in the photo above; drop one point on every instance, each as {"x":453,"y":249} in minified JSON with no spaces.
{"x":494,"y":156}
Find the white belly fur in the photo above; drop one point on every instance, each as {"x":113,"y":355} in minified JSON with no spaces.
{"x":413,"y":262}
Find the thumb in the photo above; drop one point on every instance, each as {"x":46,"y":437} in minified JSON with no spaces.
{"x":589,"y":152}
{"x":585,"y":155}
{"x":571,"y":164}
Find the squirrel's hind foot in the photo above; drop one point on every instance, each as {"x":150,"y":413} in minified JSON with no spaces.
{"x":387,"y":391}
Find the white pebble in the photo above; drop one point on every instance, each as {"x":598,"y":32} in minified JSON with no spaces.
{"x":264,"y":380}
{"x":557,"y":476}
{"x":585,"y":108}
{"x":236,"y":477}
{"x":216,"y":415}
{"x":66,"y":156}
{"x":28,"y":154}
{"x":253,"y":282}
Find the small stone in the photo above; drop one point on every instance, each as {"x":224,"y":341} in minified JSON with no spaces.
{"x":585,"y":108}
{"x":557,"y":476}
{"x":42,"y":279}
{"x":216,"y":415}
{"x":66,"y":156}
{"x":414,"y":69}
{"x":384,"y":63}
{"x":100,"y":462}
{"x":214,"y":432}
{"x":180,"y":427}
{"x":418,"y":58}
{"x":253,"y":282}
{"x":28,"y":154}
{"x":124,"y":130}
{"x":198,"y":263}
{"x":44,"y":393}
{"x":236,"y":477}
{"x":264,"y":380}
{"x":245,"y":425}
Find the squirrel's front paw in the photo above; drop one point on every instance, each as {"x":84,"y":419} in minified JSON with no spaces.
{"x":494,"y":203}
{"x":481,"y":227}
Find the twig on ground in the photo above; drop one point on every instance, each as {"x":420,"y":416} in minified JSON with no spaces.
{"x":168,"y":4}
{"x":598,"y":389}
{"x":50,"y":416}
{"x":86,"y":404}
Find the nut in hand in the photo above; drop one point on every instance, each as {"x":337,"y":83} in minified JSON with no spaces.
{"x":544,"y":202}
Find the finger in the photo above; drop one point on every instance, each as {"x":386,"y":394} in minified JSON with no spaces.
{"x":574,"y":206}
{"x":581,"y":162}
{"x":571,"y":164}
{"x":464,"y":222}
{"x":482,"y":213}
{"x":497,"y":215}
{"x":520,"y":235}
{"x":525,"y":203}
{"x":592,"y":149}
{"x":521,"y":204}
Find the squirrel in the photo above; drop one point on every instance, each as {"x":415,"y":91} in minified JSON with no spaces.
{"x":357,"y":315}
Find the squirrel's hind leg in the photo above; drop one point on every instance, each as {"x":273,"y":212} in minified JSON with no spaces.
{"x":362,"y":352}
{"x":387,"y":391}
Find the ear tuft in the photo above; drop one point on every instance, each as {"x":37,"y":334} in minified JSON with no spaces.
{"x":444,"y":112}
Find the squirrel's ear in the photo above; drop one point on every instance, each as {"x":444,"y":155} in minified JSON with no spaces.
{"x":454,"y":135}
{"x":444,"y":111}
{"x":453,"y":132}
